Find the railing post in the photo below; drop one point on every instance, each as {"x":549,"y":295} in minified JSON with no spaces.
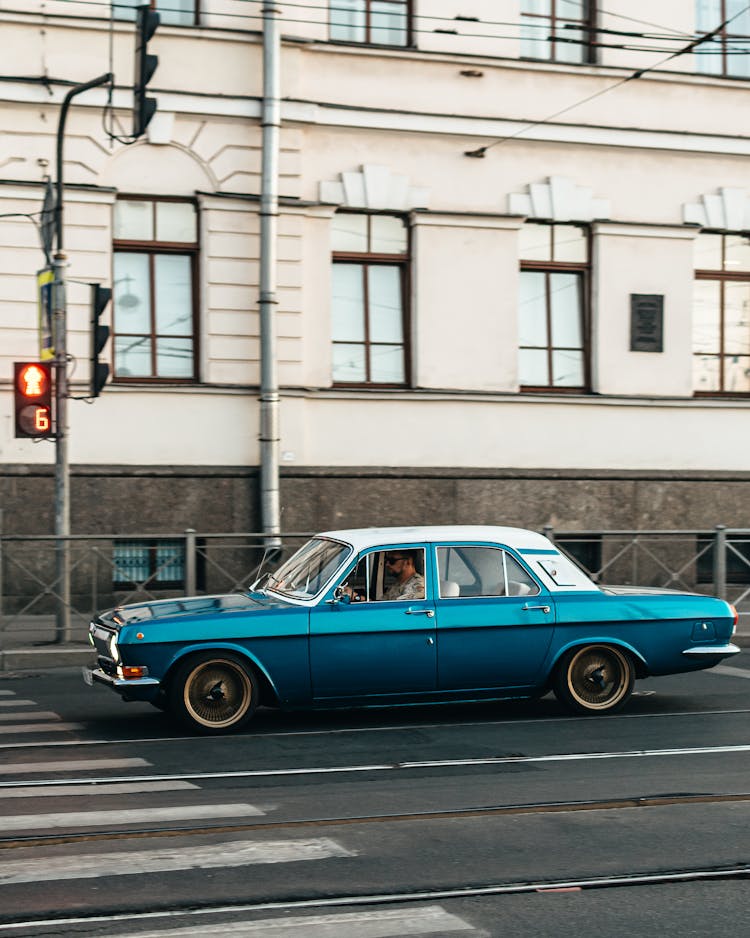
{"x":190,"y":548}
{"x":95,"y":583}
{"x":720,"y":561}
{"x":549,"y":532}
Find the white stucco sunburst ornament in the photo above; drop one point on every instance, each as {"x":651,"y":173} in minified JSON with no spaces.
{"x":558,"y":199}
{"x":374,"y":188}
{"x":727,"y":211}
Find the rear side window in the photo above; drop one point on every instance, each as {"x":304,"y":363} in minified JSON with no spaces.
{"x":481,"y":571}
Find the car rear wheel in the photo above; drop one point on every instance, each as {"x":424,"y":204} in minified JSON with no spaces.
{"x":214,"y":693}
{"x":594,"y":679}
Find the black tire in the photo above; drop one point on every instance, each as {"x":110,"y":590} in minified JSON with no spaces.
{"x":214,"y":692}
{"x":594,"y":679}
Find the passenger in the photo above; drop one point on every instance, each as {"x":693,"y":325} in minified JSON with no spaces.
{"x":409,"y":584}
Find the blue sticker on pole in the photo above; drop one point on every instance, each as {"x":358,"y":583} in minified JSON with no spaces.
{"x":44,"y":280}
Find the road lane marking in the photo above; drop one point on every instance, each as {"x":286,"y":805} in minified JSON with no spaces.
{"x":37,"y":791}
{"x":730,"y":671}
{"x":28,"y":717}
{"x":87,"y":765}
{"x":396,"y":923}
{"x":17,"y":703}
{"x":18,"y":822}
{"x":7,"y":693}
{"x":27,"y":727}
{"x":139,"y":862}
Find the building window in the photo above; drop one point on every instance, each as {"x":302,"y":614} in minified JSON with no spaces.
{"x":171,"y":12}
{"x":721,"y":315}
{"x":557,"y":30}
{"x":369,"y":290}
{"x":154,"y":565}
{"x":380,"y":22}
{"x":727,"y":52}
{"x":552,"y":308}
{"x":155,"y":261}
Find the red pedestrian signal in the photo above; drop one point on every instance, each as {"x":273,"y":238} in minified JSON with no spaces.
{"x":32,"y":392}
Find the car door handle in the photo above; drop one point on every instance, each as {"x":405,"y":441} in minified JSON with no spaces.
{"x":420,"y":612}
{"x":527,"y":606}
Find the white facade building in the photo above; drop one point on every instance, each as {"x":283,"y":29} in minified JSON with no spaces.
{"x":513,"y":263}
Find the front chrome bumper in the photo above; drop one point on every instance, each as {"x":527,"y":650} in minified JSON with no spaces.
{"x":711,"y":652}
{"x":142,"y":688}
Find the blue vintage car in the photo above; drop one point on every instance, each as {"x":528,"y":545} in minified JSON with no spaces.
{"x":385,"y":616}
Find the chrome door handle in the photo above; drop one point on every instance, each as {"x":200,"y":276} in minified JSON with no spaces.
{"x":420,"y":612}
{"x":528,"y":606}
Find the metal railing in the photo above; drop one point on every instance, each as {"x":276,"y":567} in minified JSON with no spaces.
{"x":114,"y":569}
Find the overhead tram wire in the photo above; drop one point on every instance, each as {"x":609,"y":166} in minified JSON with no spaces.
{"x":480,"y":152}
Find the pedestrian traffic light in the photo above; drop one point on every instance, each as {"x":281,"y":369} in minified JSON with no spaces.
{"x":144,"y":108}
{"x":32,"y":392}
{"x":99,"y":371}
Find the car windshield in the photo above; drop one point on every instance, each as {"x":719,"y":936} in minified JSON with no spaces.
{"x":307,"y":572}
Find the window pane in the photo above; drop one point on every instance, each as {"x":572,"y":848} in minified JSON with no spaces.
{"x":174,"y":358}
{"x":125,"y":9}
{"x":570,"y":244}
{"x":349,"y":233}
{"x":707,"y":252}
{"x":520,"y":583}
{"x":532,"y":322}
{"x":737,"y":318}
{"x":170,"y":561}
{"x":534,"y":42}
{"x":174,"y":295}
{"x":130,"y":563}
{"x":736,"y":253}
{"x":565,"y":300}
{"x":132,"y":293}
{"x":567,"y":369}
{"x":573,"y":51}
{"x":388,"y":23}
{"x":707,"y":15}
{"x":134,"y":221}
{"x":387,"y":235}
{"x":349,"y":363}
{"x":133,"y":356}
{"x":737,"y":374}
{"x":741,"y":24}
{"x":571,"y":9}
{"x":348,"y":307}
{"x":706,"y":373}
{"x":535,"y":243}
{"x":348,"y":20}
{"x":706,"y":316}
{"x":176,"y":12}
{"x":176,"y":221}
{"x":532,"y":367}
{"x":537,"y":7}
{"x":387,"y":364}
{"x":384,"y":304}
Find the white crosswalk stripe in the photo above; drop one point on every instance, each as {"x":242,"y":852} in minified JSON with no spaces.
{"x":386,"y":923}
{"x":97,"y":791}
{"x":80,"y":765}
{"x":40,"y":728}
{"x":161,"y":860}
{"x":24,"y":718}
{"x":121,"y":816}
{"x":17,"y":703}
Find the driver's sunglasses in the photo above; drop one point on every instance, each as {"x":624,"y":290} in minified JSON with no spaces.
{"x":390,"y":560}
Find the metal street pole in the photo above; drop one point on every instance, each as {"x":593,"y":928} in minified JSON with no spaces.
{"x":269,"y":211}
{"x":59,"y":306}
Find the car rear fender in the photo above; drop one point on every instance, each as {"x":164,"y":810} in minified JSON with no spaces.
{"x":269,"y":692}
{"x":641,"y":668}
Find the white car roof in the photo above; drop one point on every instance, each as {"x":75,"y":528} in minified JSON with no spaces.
{"x":518,"y":538}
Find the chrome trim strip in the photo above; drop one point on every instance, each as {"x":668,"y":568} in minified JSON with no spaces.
{"x":711,"y":651}
{"x":103,"y":678}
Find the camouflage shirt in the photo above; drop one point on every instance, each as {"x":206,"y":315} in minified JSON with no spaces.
{"x":413,"y":588}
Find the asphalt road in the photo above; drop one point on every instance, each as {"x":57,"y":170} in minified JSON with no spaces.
{"x":491,"y":820}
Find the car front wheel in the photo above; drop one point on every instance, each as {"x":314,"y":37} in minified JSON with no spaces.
{"x":214,"y":693}
{"x":594,"y":679}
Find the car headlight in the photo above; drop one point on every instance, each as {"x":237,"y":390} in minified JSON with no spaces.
{"x":114,"y":651}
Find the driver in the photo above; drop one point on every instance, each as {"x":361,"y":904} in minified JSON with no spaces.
{"x":409,"y":584}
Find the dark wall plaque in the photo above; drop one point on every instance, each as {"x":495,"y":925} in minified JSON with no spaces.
{"x":646,"y":322}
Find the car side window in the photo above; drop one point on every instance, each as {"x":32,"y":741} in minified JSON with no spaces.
{"x":386,"y":575}
{"x":481,"y":571}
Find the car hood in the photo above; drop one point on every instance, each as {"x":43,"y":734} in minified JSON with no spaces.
{"x":188,"y":606}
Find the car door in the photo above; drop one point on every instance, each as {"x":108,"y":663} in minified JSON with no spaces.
{"x":494,"y":620}
{"x":369,"y":646}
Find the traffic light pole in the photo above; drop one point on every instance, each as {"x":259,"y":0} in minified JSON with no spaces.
{"x":62,"y":469}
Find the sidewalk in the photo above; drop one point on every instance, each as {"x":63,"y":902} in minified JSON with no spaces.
{"x":29,"y":644}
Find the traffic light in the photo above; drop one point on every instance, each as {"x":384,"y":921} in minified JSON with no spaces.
{"x":32,"y":392}
{"x":146,"y":22}
{"x":100,"y":297}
